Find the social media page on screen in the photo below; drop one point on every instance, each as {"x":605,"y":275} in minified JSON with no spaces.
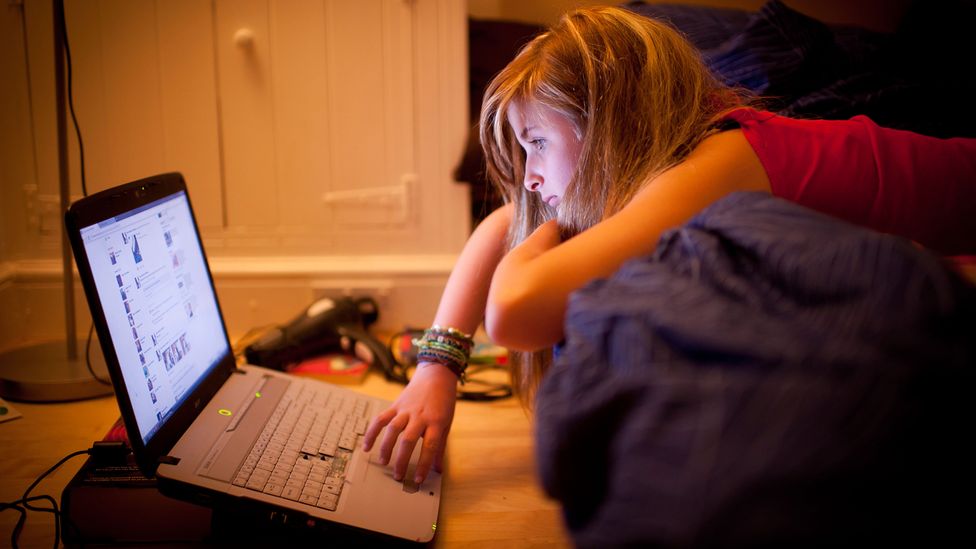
{"x":159,"y":304}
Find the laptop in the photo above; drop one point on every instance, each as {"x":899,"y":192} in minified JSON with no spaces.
{"x":212,"y":432}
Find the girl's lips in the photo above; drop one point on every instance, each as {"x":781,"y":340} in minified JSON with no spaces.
{"x":552,"y":200}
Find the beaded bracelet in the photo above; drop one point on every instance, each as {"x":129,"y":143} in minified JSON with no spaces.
{"x":447,"y":346}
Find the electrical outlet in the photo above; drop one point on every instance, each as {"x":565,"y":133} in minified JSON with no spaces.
{"x":30,"y":201}
{"x":378,"y":289}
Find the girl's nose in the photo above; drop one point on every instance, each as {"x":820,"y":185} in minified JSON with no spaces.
{"x":532,"y":182}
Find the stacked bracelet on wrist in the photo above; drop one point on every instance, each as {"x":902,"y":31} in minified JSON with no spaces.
{"x":446,"y":346}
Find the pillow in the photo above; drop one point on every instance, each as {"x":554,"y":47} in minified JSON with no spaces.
{"x":780,"y":52}
{"x":704,"y":26}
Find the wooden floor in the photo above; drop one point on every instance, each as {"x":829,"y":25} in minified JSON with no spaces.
{"x":491,"y":496}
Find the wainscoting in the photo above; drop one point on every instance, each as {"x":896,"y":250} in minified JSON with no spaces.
{"x":253,"y":292}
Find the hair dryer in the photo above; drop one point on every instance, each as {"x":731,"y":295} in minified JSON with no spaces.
{"x":327,"y":325}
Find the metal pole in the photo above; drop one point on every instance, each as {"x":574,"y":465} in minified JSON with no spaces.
{"x":64,"y":179}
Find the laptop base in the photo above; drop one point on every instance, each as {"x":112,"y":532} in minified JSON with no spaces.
{"x":275,"y":529}
{"x":116,"y":503}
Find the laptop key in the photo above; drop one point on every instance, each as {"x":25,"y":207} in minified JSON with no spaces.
{"x":313,"y":486}
{"x":328,"y":501}
{"x":316,"y":476}
{"x":347,"y":442}
{"x":273,"y":488}
{"x":258,"y":479}
{"x":329,"y":447}
{"x":292,"y":491}
{"x":241,"y":479}
{"x":332,"y":485}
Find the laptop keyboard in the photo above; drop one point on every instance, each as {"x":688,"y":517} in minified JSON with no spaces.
{"x":303,"y":452}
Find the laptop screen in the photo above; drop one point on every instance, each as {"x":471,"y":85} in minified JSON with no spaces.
{"x":159,"y":305}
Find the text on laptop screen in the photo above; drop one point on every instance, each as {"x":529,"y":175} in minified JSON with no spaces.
{"x":159,"y":304}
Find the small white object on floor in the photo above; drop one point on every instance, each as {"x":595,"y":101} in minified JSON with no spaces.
{"x":7,"y":412}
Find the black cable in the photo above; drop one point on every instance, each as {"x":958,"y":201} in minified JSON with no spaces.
{"x":20,"y":521}
{"x":53,"y":510}
{"x":54,"y":504}
{"x":63,"y":25}
{"x":490,"y":390}
{"x":23,"y":504}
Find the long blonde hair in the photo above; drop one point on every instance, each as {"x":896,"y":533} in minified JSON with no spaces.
{"x":640,"y":99}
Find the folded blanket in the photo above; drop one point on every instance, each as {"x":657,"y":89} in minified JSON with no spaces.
{"x":769,"y":376}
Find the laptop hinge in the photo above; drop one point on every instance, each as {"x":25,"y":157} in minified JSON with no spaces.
{"x":169,"y":460}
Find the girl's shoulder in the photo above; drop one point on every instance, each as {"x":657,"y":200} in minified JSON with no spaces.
{"x":722,"y":163}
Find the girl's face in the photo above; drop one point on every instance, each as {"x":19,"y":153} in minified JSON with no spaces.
{"x":552,"y":148}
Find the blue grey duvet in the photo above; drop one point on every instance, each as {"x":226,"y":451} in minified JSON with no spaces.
{"x":768,"y":376}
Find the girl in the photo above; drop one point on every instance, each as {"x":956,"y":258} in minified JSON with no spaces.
{"x":603,"y":133}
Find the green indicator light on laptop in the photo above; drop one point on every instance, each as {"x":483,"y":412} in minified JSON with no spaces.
{"x":257,"y":394}
{"x":224,"y":412}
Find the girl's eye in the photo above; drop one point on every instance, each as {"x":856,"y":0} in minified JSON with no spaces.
{"x":539,"y":144}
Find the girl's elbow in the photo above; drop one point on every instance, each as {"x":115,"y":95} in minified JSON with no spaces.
{"x":512,"y":322}
{"x":498,"y":322}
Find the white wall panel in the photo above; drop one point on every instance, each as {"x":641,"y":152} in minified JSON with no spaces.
{"x":303,"y":148}
{"x":188,"y":95}
{"x":303,"y":127}
{"x":129,"y":93}
{"x":245,"y":84}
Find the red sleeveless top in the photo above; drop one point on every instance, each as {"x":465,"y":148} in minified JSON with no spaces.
{"x":893,"y":181}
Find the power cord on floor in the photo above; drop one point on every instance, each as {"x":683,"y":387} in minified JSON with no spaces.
{"x":100,"y":450}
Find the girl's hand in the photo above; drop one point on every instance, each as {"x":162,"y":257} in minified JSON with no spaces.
{"x":424,"y":410}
